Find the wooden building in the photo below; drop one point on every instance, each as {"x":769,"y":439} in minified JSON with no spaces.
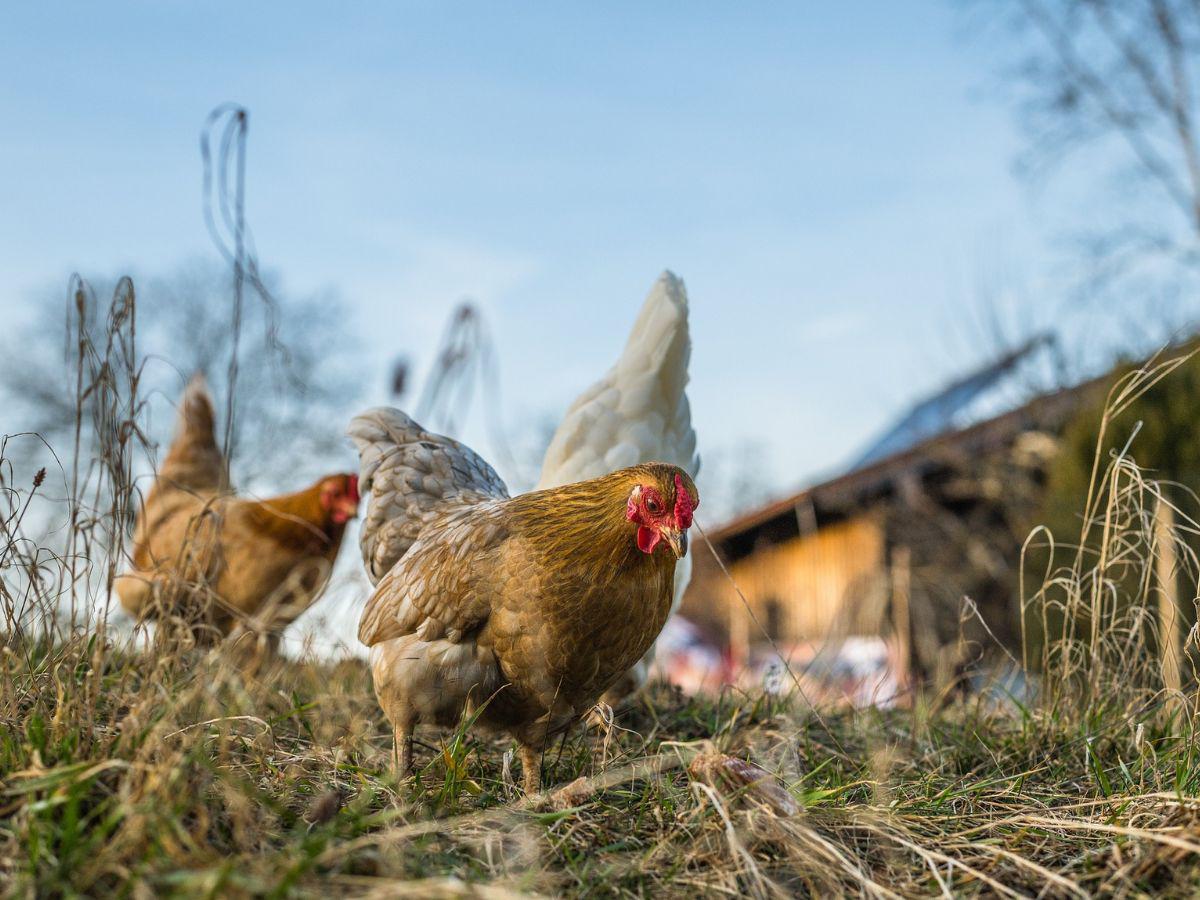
{"x":890,"y":548}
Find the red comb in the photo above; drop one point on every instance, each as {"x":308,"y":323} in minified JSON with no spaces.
{"x":683,"y":504}
{"x":352,"y":487}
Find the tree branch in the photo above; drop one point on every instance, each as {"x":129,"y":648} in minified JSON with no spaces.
{"x":1181,"y":100}
{"x":1124,"y":121}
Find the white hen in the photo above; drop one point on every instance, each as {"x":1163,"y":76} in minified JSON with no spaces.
{"x":636,"y":413}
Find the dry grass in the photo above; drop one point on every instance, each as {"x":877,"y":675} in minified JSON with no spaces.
{"x":163,"y":769}
{"x":171,"y":773}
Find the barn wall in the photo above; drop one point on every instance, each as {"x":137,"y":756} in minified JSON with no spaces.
{"x":832,"y":581}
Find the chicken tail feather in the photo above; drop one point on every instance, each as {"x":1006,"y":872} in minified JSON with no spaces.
{"x":410,"y":473}
{"x":194,"y":461}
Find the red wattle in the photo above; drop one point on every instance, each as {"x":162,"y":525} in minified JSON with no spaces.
{"x":647,"y":539}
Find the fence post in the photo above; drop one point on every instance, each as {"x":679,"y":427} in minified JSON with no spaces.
{"x":901,"y":566}
{"x":739,"y":637}
{"x":1170,"y":636}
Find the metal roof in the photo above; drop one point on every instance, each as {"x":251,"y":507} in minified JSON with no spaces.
{"x":1002,"y":385}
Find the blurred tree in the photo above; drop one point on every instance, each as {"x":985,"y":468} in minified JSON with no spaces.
{"x":296,"y":384}
{"x":1165,"y":433}
{"x":1113,"y":83}
{"x":1160,"y":432}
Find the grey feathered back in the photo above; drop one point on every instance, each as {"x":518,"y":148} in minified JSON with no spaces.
{"x":410,"y":473}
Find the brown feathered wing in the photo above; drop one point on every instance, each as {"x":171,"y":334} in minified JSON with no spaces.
{"x":442,"y":588}
{"x":431,"y":540}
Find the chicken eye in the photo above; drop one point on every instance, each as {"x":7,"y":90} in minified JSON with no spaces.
{"x":653,"y":506}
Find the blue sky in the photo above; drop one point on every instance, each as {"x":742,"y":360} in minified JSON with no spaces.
{"x":835,"y":185}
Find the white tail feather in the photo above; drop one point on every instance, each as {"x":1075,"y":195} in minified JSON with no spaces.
{"x":638,"y":412}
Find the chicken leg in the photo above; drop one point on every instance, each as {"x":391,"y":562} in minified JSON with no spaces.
{"x":402,"y":750}
{"x":531,"y":768}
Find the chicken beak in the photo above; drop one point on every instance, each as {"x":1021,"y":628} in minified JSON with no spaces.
{"x":677,"y":539}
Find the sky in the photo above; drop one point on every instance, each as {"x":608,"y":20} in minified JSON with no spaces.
{"x":834,"y":183}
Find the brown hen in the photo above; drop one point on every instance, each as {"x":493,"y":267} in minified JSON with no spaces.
{"x":223,"y":562}
{"x":521,"y":610}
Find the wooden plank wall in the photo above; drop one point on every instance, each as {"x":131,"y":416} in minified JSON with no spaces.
{"x":831,"y":582}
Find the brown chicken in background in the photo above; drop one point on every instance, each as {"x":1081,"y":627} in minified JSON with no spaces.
{"x":226,"y":563}
{"x":523,"y":610}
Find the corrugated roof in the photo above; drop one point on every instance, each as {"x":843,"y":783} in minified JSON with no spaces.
{"x":1002,"y":385}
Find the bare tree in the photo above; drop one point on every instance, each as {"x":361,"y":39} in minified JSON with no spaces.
{"x":296,"y":387}
{"x":1112,"y":84}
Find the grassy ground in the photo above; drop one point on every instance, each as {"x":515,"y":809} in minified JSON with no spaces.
{"x":171,"y":771}
{"x":150,"y":775}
